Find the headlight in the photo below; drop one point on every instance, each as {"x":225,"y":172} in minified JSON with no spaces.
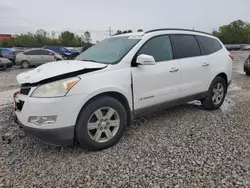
{"x":55,"y":89}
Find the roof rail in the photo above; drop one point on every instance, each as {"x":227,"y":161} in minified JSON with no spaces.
{"x":163,"y":29}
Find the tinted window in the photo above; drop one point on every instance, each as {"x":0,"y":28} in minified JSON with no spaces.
{"x":45,"y":52}
{"x":209,"y":45}
{"x":158,"y":47}
{"x":33,"y":52}
{"x":186,"y":46}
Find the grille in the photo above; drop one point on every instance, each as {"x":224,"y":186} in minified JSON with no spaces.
{"x":25,"y":90}
{"x":19,"y":105}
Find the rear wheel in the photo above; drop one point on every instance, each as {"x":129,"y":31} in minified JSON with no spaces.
{"x":216,"y":94}
{"x":248,"y":73}
{"x":25,"y":64}
{"x":101,"y":123}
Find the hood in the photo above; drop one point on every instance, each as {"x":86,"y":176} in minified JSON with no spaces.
{"x":58,"y":70}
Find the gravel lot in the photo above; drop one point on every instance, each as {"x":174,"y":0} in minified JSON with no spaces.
{"x":185,"y":146}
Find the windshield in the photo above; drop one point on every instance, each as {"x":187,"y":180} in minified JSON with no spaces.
{"x":109,"y":51}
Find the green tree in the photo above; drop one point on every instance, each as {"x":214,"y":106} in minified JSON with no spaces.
{"x":237,"y":32}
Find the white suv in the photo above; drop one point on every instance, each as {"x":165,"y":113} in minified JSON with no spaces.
{"x":91,"y":99}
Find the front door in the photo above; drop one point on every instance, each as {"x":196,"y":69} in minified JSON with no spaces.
{"x":47,"y":56}
{"x":159,"y":83}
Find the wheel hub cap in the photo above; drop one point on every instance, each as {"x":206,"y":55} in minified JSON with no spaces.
{"x":103,"y":124}
{"x":218,"y":93}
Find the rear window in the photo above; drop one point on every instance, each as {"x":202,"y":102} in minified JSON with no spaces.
{"x":186,"y":46}
{"x":209,"y":45}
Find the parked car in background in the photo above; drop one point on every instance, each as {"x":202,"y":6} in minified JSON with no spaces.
{"x":246,"y":48}
{"x":247,"y":66}
{"x":64,"y":52}
{"x":4,"y":51}
{"x":1,"y":51}
{"x":233,"y":47}
{"x":73,"y":49}
{"x":10,"y":54}
{"x":36,"y":57}
{"x":5,"y":63}
{"x":93,"y":98}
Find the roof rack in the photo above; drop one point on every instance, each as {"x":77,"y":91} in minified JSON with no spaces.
{"x":163,"y":29}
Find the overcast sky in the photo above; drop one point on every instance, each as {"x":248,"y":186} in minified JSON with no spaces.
{"x":19,"y":16}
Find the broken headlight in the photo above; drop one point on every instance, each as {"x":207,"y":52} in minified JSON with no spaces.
{"x":55,"y":89}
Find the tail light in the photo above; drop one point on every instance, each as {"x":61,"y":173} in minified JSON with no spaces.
{"x":4,"y":55}
{"x":231,"y":56}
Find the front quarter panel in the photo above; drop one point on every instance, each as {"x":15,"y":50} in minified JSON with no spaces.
{"x":109,"y":79}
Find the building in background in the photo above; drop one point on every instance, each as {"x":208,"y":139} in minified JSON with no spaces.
{"x":5,"y":37}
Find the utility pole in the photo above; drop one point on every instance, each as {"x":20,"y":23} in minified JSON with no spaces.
{"x":110,"y":31}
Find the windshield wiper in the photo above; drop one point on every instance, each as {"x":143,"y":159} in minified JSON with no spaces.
{"x":90,"y":60}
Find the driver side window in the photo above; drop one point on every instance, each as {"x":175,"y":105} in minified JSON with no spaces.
{"x":159,"y":47}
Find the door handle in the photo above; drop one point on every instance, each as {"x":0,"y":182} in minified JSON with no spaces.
{"x":205,"y":64}
{"x":173,"y":69}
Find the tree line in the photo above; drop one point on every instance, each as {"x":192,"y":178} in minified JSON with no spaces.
{"x":237,"y":32}
{"x":41,"y":38}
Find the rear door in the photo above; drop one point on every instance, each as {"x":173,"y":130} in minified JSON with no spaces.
{"x":156,"y":84}
{"x":194,"y":66}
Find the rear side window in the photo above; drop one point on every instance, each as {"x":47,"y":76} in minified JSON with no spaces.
{"x":33,"y":52}
{"x":45,"y":52}
{"x":159,"y":47}
{"x":209,"y":45}
{"x":186,"y":46}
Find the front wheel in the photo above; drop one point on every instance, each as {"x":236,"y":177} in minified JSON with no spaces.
{"x":216,"y":94}
{"x":101,"y":123}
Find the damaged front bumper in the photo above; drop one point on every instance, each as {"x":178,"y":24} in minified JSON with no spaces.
{"x":60,"y":131}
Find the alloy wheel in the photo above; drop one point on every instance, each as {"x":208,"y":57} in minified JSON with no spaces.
{"x":103,"y":124}
{"x":218,"y":93}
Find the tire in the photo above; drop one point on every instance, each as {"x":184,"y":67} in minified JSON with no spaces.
{"x":248,"y":73}
{"x":87,"y":136}
{"x":25,"y":64}
{"x":213,"y":100}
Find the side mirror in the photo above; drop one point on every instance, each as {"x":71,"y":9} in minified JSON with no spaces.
{"x":51,"y":54}
{"x":144,"y":59}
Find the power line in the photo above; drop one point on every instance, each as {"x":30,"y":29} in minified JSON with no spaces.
{"x":110,"y":31}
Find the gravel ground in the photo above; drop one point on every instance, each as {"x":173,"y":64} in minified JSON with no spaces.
{"x":185,"y":146}
{"x":8,"y":78}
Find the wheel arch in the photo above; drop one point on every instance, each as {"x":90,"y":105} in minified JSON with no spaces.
{"x":116,"y":95}
{"x":224,"y":76}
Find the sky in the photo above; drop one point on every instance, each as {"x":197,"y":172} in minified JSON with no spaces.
{"x":21,"y":16}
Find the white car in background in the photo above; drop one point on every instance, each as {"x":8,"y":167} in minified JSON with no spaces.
{"x":35,"y":57}
{"x":93,"y":98}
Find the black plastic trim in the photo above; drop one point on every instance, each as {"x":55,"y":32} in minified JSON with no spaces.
{"x":58,"y":137}
{"x":168,"y":104}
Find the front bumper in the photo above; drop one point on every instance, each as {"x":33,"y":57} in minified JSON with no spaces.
{"x":59,"y":137}
{"x":66,"y":109}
